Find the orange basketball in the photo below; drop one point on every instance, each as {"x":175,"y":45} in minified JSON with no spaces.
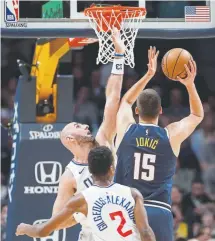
{"x":173,"y":63}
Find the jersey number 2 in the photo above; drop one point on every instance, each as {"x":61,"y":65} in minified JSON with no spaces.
{"x":144,"y":168}
{"x":122,"y":223}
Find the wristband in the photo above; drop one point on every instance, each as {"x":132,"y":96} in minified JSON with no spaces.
{"x":118,"y":55}
{"x":118,"y":66}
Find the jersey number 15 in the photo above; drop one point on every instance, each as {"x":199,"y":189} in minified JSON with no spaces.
{"x":143,"y":167}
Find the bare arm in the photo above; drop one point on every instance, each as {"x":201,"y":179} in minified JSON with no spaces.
{"x":141,"y":218}
{"x":66,"y":190}
{"x":131,"y":95}
{"x":179,"y":131}
{"x":107,"y":129}
{"x":125,"y":115}
{"x":75,"y":204}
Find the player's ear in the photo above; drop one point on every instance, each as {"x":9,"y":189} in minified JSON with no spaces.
{"x":112,"y":170}
{"x":70,"y":138}
{"x":136,"y":111}
{"x":161,"y":111}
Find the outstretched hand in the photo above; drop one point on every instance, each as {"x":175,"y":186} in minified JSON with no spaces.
{"x":152,"y":57}
{"x":191,"y":74}
{"x":117,"y":41}
{"x":22,"y":228}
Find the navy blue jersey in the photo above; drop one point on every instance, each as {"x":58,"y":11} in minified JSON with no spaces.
{"x":146,"y":162}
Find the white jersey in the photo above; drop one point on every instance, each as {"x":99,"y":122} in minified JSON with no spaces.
{"x":111,"y":213}
{"x":83,"y":180}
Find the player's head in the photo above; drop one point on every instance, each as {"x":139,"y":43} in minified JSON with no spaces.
{"x":148,"y":105}
{"x":76,"y":134}
{"x":204,"y":233}
{"x":198,"y":187}
{"x":101,"y":163}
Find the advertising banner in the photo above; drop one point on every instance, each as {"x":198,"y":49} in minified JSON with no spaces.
{"x":38,"y":161}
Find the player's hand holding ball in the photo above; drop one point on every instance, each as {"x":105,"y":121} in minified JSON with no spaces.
{"x":173,"y":63}
{"x":152,"y":57}
{"x":191,"y":74}
{"x":178,"y":64}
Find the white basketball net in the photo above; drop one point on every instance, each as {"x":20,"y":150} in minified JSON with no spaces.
{"x":128,"y":29}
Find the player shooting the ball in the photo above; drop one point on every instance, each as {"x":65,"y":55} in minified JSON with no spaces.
{"x":147,"y":153}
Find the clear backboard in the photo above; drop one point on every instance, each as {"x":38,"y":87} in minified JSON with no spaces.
{"x":57,"y":18}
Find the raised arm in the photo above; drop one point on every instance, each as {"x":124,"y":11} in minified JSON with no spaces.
{"x":141,"y":219}
{"x":107,"y":129}
{"x":125,"y":115}
{"x":75,"y":204}
{"x":66,"y":190}
{"x":179,"y":131}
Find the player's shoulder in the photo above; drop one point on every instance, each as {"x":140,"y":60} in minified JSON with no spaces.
{"x":132,"y":127}
{"x":75,"y":164}
{"x":75,"y":171}
{"x":130,"y":130}
{"x":90,"y":192}
{"x":128,"y":191}
{"x":172,"y":126}
{"x":119,"y":186}
{"x":67,"y":179}
{"x":75,"y":167}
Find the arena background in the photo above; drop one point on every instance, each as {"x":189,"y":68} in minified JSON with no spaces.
{"x":41,"y":160}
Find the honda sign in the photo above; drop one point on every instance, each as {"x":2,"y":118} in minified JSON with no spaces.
{"x":46,"y":173}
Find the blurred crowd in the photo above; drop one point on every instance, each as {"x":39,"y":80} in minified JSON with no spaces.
{"x":193,"y":193}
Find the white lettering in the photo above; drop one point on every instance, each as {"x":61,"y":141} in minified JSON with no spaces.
{"x":40,"y":190}
{"x":36,"y":135}
{"x":28,"y":190}
{"x":15,"y":25}
{"x":13,"y":157}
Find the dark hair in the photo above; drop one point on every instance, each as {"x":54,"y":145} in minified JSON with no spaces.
{"x":197,"y":180}
{"x":177,"y":187}
{"x":100,"y":160}
{"x":149,"y":104}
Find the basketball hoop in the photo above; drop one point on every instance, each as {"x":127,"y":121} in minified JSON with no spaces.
{"x":126,"y":19}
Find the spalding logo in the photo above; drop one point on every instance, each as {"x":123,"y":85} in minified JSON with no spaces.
{"x":45,"y":134}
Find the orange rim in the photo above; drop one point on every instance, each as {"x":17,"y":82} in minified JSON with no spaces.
{"x":126,"y":12}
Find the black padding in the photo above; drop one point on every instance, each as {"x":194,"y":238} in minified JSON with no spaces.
{"x":64,"y":99}
{"x":26,"y":95}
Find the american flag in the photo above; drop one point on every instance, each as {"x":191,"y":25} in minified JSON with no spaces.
{"x":197,"y":14}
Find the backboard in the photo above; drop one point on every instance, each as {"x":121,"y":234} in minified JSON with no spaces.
{"x":57,"y":18}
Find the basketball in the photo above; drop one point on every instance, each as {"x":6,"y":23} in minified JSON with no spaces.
{"x":173,"y":63}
